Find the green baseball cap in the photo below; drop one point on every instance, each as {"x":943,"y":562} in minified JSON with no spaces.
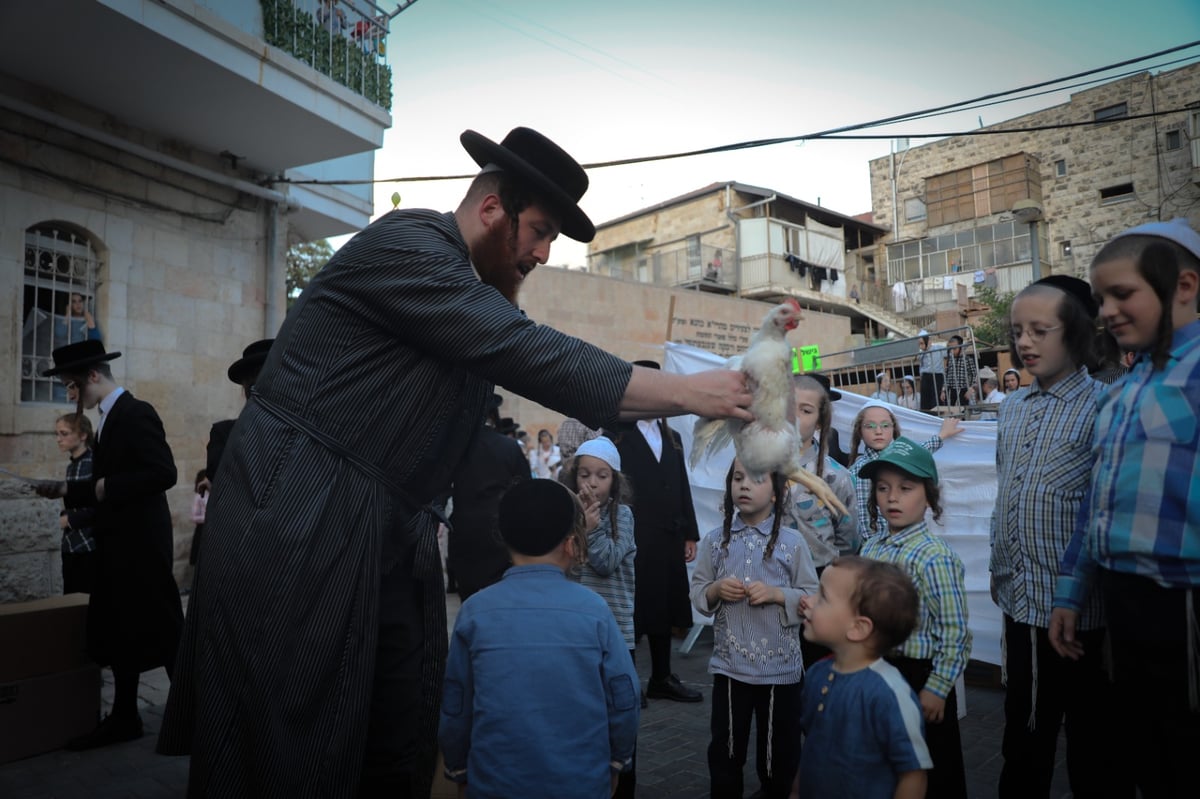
{"x":907,"y":456}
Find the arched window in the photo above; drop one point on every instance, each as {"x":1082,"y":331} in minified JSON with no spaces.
{"x":61,"y":274}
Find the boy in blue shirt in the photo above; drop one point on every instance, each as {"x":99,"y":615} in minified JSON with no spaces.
{"x":862,"y":722}
{"x":1137,"y":542}
{"x":541,"y":697}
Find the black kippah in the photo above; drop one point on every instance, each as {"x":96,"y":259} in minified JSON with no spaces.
{"x":1079,"y":289}
{"x":535,"y":516}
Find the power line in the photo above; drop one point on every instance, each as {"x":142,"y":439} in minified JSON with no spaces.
{"x":845,"y":132}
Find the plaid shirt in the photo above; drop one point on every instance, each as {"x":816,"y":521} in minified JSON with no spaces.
{"x":1043,"y":465}
{"x":862,"y":488}
{"x":960,"y":371}
{"x":78,"y":536}
{"x":1143,"y":517}
{"x":941,"y":635}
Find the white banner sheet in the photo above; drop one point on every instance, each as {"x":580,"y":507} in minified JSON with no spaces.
{"x":966,"y":467}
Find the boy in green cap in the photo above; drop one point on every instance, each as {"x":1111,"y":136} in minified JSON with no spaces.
{"x":904,"y":485}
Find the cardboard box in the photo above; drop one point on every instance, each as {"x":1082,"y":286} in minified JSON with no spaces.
{"x":41,"y":714}
{"x":45,"y":636}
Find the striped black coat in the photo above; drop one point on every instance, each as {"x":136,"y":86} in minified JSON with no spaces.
{"x":393,"y":351}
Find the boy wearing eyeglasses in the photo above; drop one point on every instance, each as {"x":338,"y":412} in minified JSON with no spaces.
{"x":1043,"y":463}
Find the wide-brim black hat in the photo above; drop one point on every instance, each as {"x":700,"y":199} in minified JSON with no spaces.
{"x":253,"y":357}
{"x":79,"y":357}
{"x":544,"y":168}
{"x":648,"y":364}
{"x":507,"y":426}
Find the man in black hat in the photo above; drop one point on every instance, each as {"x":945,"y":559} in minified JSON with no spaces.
{"x":243,"y":372}
{"x":312,"y":656}
{"x":134,"y":613}
{"x":666,"y":533}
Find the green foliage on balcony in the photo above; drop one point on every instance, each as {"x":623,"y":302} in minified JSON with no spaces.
{"x":296,"y":31}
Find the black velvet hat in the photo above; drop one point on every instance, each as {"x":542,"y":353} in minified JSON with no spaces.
{"x":506,"y":426}
{"x":544,"y":167}
{"x":79,"y":357}
{"x":253,"y":357}
{"x":647,"y":364}
{"x":535,"y":516}
{"x":1079,"y":289}
{"x":834,"y":395}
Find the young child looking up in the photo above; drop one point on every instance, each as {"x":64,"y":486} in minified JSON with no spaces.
{"x":875,"y":427}
{"x":541,"y":697}
{"x":861,"y":720}
{"x":751,"y":573}
{"x":73,"y":433}
{"x":595,"y":475}
{"x":827,"y":533}
{"x":904,"y":482}
{"x":1043,"y":464}
{"x":1138,"y":541}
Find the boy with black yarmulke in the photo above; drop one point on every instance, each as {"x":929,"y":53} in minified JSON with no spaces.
{"x":541,"y":698}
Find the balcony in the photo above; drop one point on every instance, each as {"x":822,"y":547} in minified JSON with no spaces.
{"x":202,"y":73}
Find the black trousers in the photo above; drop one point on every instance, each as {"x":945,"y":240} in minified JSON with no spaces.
{"x":948,"y":779}
{"x":775,"y":709}
{"x":1147,"y":626}
{"x":1075,"y":690}
{"x":79,"y":572}
{"x":396,"y":764}
{"x":931,"y":387}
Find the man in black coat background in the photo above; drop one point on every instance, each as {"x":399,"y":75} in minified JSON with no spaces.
{"x":493,"y":463}
{"x":664,"y":526}
{"x":134,"y":614}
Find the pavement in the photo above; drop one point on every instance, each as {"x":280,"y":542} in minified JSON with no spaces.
{"x":671,"y":745}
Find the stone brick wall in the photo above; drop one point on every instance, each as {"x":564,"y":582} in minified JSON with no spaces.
{"x":1096,"y":157}
{"x":180,"y":293}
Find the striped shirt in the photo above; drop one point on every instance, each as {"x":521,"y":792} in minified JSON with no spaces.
{"x":609,"y":567}
{"x":827,"y":533}
{"x":755,"y":644}
{"x":862,"y":487}
{"x":1142,"y":517}
{"x":941,"y":635}
{"x":78,"y":535}
{"x":1043,"y":464}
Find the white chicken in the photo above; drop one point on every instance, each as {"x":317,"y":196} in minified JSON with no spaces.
{"x":771,"y":443}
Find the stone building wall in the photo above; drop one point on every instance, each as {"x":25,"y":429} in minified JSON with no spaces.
{"x":181,"y":290}
{"x":1095,"y":157}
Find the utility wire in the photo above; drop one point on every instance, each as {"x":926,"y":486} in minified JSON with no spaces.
{"x":843,"y":133}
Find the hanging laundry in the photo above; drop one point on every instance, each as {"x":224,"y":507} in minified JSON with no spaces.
{"x":948,"y":283}
{"x":832,"y":275}
{"x":979,"y":276}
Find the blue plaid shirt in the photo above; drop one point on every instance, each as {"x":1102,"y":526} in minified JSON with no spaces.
{"x":1043,"y":465}
{"x":1140,"y":519}
{"x":941,"y":635}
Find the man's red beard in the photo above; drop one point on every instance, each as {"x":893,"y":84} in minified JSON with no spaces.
{"x":495,"y":258}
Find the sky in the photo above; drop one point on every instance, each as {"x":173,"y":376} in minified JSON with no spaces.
{"x":625,"y":78}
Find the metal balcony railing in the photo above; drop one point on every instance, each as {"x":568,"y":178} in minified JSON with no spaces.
{"x":344,"y":39}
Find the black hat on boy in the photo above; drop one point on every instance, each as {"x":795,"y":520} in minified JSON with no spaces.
{"x":535,"y":516}
{"x":1079,"y":289}
{"x":79,"y":357}
{"x":253,"y":357}
{"x":544,"y":168}
{"x":648,"y":364}
{"x":834,"y":394}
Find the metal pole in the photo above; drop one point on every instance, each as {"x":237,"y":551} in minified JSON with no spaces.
{"x":1033,"y":251}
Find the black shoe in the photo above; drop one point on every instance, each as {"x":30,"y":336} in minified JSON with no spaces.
{"x":114,"y":729}
{"x":672,"y":688}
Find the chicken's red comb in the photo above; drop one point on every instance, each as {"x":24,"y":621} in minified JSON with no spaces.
{"x":792,"y":301}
